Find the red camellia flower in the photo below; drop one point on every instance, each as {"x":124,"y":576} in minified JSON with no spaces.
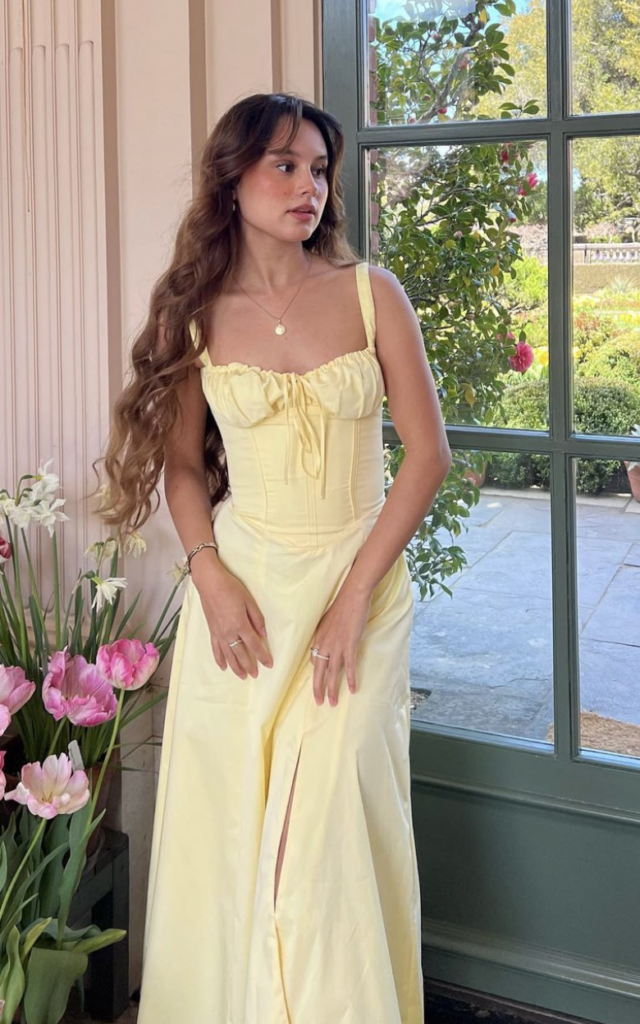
{"x":533,"y":181}
{"x":5,"y":549}
{"x":523,"y":357}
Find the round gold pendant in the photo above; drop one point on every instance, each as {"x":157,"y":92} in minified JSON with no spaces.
{"x":280,"y":329}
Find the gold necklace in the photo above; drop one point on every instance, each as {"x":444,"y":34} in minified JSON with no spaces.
{"x":280,"y":327}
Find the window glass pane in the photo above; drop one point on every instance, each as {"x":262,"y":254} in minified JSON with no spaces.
{"x":464,"y":227}
{"x":605,"y":69}
{"x":606,"y":284}
{"x":454,"y":61}
{"x":482,"y":658}
{"x":608,"y":549}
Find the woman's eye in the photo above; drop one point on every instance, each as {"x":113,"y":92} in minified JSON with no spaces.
{"x":320,"y":170}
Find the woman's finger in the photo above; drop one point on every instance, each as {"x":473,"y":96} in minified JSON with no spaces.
{"x":244,"y":652}
{"x":319,"y":672}
{"x":256,"y":618}
{"x":218,"y":654}
{"x":234,"y":660}
{"x":350,"y":671}
{"x":332,"y":678}
{"x":256,"y":647}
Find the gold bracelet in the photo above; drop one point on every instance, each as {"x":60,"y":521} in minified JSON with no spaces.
{"x":198,"y":547}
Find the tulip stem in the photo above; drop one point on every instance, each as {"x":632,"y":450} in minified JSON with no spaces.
{"x":36,"y":836}
{"x":114,"y":732}
{"x":56,"y":737}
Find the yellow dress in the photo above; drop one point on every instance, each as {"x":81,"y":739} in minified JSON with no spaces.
{"x":343,"y":943}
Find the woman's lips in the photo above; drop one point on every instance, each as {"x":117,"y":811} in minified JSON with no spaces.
{"x":300,"y":215}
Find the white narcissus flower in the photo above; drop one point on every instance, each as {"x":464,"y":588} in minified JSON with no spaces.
{"x":101,"y":549}
{"x":103,"y":497}
{"x":110,"y":547}
{"x":135,"y":544}
{"x":20,"y":515}
{"x":47,"y":515}
{"x":179,"y":571}
{"x":46,"y":484}
{"x":106,"y":590}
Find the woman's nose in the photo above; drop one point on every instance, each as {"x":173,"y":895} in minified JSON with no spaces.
{"x":310,"y":182}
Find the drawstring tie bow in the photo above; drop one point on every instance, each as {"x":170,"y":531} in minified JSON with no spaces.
{"x":312,"y":447}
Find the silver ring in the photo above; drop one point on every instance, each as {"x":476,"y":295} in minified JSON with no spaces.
{"x":234,"y":643}
{"x":316,"y":652}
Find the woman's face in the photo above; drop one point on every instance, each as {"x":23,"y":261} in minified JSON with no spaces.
{"x":279,"y":182}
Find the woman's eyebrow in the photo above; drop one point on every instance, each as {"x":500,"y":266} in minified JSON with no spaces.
{"x":294,"y":152}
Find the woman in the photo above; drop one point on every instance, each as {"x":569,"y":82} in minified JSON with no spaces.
{"x":283,"y":883}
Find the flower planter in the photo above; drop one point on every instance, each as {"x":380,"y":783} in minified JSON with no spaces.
{"x":634,"y":480}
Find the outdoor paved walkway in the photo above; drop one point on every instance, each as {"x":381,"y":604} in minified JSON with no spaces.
{"x":485,"y":654}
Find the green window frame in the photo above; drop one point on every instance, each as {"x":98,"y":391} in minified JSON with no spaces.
{"x":533,"y":769}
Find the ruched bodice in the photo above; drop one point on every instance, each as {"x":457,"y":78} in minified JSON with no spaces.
{"x":317,"y":433}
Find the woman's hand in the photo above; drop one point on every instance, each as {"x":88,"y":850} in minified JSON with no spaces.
{"x":338,"y":634}
{"x":231,"y":612}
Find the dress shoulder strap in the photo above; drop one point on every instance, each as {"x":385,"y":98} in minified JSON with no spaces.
{"x":365,"y":296}
{"x":195,"y":337}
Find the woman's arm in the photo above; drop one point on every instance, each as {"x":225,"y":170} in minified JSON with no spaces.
{"x":229,"y":608}
{"x":415,"y":410}
{"x":185,"y":484}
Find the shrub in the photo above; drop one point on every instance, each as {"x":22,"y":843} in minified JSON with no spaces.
{"x":617,"y":359}
{"x":601,"y":407}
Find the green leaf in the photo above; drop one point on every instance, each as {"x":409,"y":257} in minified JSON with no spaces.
{"x":52,"y":877}
{"x":50,"y":976}
{"x":105,"y":938}
{"x":3,"y":866}
{"x":30,"y":936}
{"x":12,"y":977}
{"x":80,"y":834}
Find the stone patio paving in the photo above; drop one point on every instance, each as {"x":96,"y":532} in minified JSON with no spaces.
{"x":483,"y":658}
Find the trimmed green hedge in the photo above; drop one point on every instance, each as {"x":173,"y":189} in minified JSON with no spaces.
{"x":601,"y":407}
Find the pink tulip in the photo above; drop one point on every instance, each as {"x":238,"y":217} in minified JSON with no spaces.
{"x":5,"y":549}
{"x":51,"y":788}
{"x":5,"y":719}
{"x":3,"y":780}
{"x":523,"y":357}
{"x":74,"y":688}
{"x":127,"y":664}
{"x":15,"y":688}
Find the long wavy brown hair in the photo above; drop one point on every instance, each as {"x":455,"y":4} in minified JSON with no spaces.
{"x":207,"y":247}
